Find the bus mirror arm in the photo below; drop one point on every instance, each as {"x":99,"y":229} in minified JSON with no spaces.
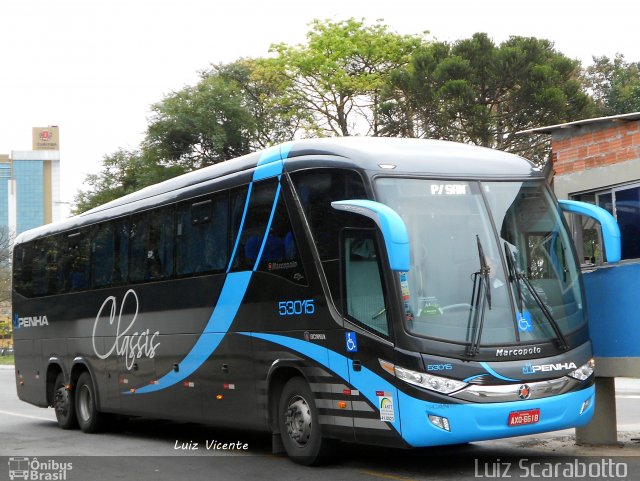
{"x":393,"y":229}
{"x":610,"y":229}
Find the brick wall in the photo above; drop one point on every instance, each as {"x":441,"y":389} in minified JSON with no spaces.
{"x":596,"y":148}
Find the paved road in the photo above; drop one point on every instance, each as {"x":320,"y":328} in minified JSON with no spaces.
{"x":146,"y":450}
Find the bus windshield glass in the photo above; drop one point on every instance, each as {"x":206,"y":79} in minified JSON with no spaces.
{"x":490,"y":261}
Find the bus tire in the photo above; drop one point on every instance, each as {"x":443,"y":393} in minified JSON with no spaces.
{"x":90,"y":419}
{"x":64,"y":404}
{"x":299,"y":424}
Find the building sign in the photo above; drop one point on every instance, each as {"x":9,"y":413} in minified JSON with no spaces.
{"x":46,"y":138}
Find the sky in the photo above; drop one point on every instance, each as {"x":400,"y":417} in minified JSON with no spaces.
{"x":94,"y":67}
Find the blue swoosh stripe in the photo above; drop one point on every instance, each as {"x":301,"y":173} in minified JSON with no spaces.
{"x":233,"y":290}
{"x":367,"y":381}
{"x":271,"y":162}
{"x":230,"y":299}
{"x":244,"y":216}
{"x":495,"y":374}
{"x":266,"y":232}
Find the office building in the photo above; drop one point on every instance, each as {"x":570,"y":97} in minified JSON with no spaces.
{"x":30,"y":183}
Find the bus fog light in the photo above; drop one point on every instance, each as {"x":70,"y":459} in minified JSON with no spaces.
{"x":585,"y":405}
{"x":584,"y":371}
{"x":440,"y":422}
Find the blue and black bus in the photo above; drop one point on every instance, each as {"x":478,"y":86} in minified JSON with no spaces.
{"x":386,"y":291}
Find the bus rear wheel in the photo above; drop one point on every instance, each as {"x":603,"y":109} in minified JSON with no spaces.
{"x":63,"y":404}
{"x":89,"y":418}
{"x":299,"y":424}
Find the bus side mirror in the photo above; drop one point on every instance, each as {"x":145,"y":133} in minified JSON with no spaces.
{"x":393,"y":228}
{"x":610,"y":229}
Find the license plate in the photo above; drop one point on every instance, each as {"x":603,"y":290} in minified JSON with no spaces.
{"x":520,"y":418}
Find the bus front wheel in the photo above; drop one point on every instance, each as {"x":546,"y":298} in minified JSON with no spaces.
{"x":63,"y":404}
{"x":299,"y":425}
{"x":89,"y":418}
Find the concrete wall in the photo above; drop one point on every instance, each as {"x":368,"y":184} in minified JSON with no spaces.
{"x":595,"y":156}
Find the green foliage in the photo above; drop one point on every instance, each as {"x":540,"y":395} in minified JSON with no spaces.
{"x":476,"y":91}
{"x":338,"y":75}
{"x":201,"y":125}
{"x":352,"y":78}
{"x":233,"y":110}
{"x":615,"y":85}
{"x":5,"y":328}
{"x":7,"y":360}
{"x":123,"y":172}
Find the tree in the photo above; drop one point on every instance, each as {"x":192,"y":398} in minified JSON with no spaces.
{"x":614,"y":84}
{"x":6,"y":246}
{"x":339,"y":74}
{"x":234,"y":109}
{"x":277,"y":117}
{"x":478,"y":92}
{"x":201,"y":125}
{"x":123,"y":172}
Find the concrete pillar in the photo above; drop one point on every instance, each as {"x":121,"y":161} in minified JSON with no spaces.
{"x":603,"y":427}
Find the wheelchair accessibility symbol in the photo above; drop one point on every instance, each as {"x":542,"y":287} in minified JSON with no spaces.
{"x":524,"y":322}
{"x":351,"y":341}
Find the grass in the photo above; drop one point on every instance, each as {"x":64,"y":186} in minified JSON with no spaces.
{"x":6,"y":360}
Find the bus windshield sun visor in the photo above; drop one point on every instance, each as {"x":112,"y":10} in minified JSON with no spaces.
{"x":393,"y":228}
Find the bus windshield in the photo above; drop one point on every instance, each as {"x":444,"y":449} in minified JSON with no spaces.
{"x":491,"y":262}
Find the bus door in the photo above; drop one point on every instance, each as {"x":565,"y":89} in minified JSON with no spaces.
{"x":375,"y":407}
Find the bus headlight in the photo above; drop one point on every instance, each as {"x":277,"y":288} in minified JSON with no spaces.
{"x":584,"y":371}
{"x":428,"y":381}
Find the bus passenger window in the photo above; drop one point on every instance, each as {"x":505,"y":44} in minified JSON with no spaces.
{"x":363,"y":281}
{"x":102,"y":255}
{"x":201,"y":236}
{"x":40,"y":269}
{"x":74,"y":265}
{"x":159,"y":264}
{"x":22,"y":269}
{"x":280,"y":255}
{"x":121,"y":252}
{"x":256,"y":219}
{"x":138,"y":248}
{"x":267,"y":242}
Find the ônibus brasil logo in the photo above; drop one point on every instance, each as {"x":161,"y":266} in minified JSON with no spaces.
{"x":33,"y":469}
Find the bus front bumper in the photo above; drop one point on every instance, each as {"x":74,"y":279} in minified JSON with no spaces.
{"x":482,"y":421}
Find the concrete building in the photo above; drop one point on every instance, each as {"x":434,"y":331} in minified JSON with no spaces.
{"x":30,"y":183}
{"x":598,"y":161}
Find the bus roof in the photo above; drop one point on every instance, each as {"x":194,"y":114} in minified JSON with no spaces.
{"x":399,"y":156}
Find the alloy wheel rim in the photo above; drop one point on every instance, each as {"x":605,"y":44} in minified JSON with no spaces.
{"x":85,"y":403}
{"x":298,"y":421}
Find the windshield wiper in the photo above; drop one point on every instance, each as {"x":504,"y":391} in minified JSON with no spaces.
{"x":515,"y":277}
{"x":480,"y":298}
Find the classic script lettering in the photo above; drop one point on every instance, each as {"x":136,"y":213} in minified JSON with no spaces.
{"x":132,"y":346}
